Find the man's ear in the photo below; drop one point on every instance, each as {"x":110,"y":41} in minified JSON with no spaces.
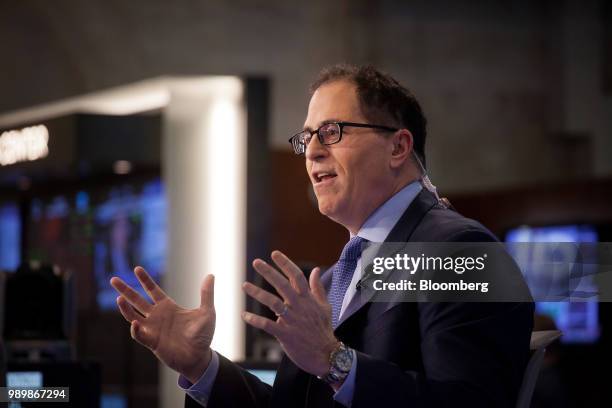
{"x":402,"y":148}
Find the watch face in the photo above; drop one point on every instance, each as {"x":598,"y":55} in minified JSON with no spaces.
{"x":344,"y":360}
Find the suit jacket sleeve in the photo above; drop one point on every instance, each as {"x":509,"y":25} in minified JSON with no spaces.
{"x":474,"y":355}
{"x":235,"y":387}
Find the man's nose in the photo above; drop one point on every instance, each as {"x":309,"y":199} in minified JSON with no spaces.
{"x":315,"y":150}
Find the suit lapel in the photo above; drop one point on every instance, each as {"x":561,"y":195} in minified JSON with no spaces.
{"x":401,"y":232}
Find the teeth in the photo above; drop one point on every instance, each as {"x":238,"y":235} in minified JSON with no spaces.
{"x":320,"y":176}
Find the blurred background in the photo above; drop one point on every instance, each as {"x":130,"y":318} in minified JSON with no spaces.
{"x":104,"y":106}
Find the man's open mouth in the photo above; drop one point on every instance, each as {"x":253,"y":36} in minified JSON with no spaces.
{"x":322,"y":176}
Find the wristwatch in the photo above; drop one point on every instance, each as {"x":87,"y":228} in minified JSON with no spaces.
{"x":341,"y":361}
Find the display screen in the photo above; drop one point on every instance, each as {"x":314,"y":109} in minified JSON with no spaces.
{"x":578,"y":320}
{"x":101,"y":232}
{"x":27,"y":379}
{"x":10,"y":236}
{"x":23,"y":379}
{"x":113,"y":401}
{"x":81,"y":378}
{"x":129,"y":230}
{"x":267,"y":376}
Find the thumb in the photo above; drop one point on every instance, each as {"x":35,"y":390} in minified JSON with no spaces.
{"x":207,"y":292}
{"x":316,"y":286}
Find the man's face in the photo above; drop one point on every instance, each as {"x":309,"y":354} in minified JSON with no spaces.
{"x":353,"y":177}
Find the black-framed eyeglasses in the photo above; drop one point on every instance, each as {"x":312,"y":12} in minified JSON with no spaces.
{"x":328,"y":134}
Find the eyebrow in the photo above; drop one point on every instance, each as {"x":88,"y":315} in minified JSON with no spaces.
{"x":325,"y":122}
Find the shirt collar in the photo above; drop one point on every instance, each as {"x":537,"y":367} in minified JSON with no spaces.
{"x":379,"y":224}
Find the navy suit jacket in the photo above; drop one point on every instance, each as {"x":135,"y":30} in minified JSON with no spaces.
{"x":408,"y":354}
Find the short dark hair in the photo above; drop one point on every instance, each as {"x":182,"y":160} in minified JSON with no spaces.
{"x":381,"y":98}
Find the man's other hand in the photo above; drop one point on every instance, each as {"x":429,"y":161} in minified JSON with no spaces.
{"x":178,"y":337}
{"x":303,"y":326}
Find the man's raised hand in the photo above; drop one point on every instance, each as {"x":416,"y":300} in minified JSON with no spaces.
{"x":303,"y":325}
{"x":178,"y":337}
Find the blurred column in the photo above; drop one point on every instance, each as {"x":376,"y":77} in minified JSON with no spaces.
{"x":204,"y":168}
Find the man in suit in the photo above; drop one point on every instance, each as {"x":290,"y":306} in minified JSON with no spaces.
{"x":363,"y":140}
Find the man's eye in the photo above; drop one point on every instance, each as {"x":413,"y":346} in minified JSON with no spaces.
{"x":328,"y":131}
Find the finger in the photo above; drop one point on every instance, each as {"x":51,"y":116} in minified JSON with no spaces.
{"x":292,"y":271}
{"x":274,"y":278}
{"x":316,"y":286}
{"x":128,"y":312}
{"x":142,"y":335}
{"x":131,"y":296}
{"x":262,"y":323}
{"x":155,"y":292}
{"x":207,"y":292}
{"x":274,"y":303}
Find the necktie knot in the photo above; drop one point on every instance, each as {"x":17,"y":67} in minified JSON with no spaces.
{"x":352,"y":249}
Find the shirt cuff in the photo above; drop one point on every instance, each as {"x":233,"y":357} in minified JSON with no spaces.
{"x":200,"y":391}
{"x":344,"y":395}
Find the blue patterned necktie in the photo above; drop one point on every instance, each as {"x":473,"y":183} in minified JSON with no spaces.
{"x":342,"y":276}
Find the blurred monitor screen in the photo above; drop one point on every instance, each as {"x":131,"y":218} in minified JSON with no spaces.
{"x":578,"y":321}
{"x":24,"y":379}
{"x":10,"y":236}
{"x":28,"y":379}
{"x":265,"y":371}
{"x":266,"y":376}
{"x":113,"y":401}
{"x":82,"y":379}
{"x":100,"y":232}
{"x":129,"y":230}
